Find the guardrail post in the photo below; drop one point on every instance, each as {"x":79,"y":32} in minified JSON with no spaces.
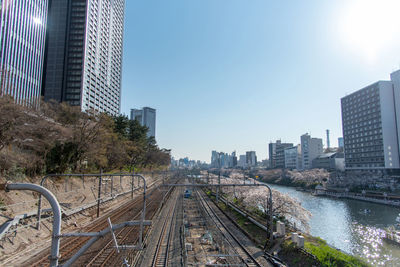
{"x":219,"y":184}
{"x":40,"y":204}
{"x":55,"y":239}
{"x":112,"y":185}
{"x":133,"y":179}
{"x":99,"y":194}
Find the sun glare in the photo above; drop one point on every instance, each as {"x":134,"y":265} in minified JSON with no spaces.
{"x":37,"y":21}
{"x":369,"y":26}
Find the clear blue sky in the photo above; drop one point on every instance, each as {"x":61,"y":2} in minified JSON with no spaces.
{"x":236,"y":74}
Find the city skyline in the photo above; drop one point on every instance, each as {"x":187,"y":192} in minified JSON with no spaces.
{"x":223,"y":83}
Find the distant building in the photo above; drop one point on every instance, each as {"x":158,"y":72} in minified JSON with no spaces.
{"x":310,"y":149}
{"x":214,"y":159}
{"x":233,"y":160}
{"x":340,"y":142}
{"x":265,"y":163}
{"x":277,"y":154}
{"x":292,"y":156}
{"x":242,"y":161}
{"x":272,"y":155}
{"x":329,"y":161}
{"x":147,"y":117}
{"x":370,"y":120}
{"x":251,"y":158}
{"x":280,"y":154}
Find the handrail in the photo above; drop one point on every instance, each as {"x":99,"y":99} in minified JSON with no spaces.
{"x":55,"y":239}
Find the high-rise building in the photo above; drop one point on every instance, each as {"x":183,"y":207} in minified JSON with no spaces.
{"x":370,"y":120}
{"x":251,"y":158}
{"x":214,"y":159}
{"x":147,"y":117}
{"x":311,"y":148}
{"x":242,"y":161}
{"x":277,"y":154}
{"x":22,"y":48}
{"x":84,"y":54}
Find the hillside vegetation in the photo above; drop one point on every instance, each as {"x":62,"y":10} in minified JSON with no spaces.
{"x":58,"y":138}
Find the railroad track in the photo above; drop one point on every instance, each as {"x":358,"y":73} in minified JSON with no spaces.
{"x":246,"y":256}
{"x":107,"y":255}
{"x":163,"y":245}
{"x":69,"y":246}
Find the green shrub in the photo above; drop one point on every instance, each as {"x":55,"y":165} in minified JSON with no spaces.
{"x":329,"y":256}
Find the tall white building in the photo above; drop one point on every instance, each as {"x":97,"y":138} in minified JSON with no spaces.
{"x":84,"y":61}
{"x":311,"y":148}
{"x":370,"y":121}
{"x":22,"y":49}
{"x":147,"y":117}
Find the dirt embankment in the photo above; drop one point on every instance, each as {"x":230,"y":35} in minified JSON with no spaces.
{"x":72,"y":193}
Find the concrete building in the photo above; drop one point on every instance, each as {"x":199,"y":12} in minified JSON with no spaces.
{"x":251,"y":158}
{"x":340,"y":142}
{"x":277,"y":154}
{"x":370,"y":121}
{"x":329,"y":161}
{"x":292,"y":156}
{"x":272,"y":155}
{"x":214,"y":159}
{"x":22,"y":49}
{"x":233,"y":160}
{"x":310,"y":149}
{"x":242,"y":161}
{"x":147,"y":117}
{"x":84,"y":60}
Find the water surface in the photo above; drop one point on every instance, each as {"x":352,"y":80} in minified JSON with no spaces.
{"x":344,"y":225}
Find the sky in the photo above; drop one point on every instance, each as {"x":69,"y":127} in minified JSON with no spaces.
{"x":234,"y":75}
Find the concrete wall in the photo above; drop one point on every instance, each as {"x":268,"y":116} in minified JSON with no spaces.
{"x":389,"y":129}
{"x":395,"y":77}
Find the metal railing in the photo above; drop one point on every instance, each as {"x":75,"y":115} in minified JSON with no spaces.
{"x":56,"y":209}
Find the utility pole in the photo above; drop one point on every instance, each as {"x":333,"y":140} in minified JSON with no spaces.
{"x":219,"y":177}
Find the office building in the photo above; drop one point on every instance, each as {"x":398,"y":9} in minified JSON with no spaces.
{"x":242,"y":161}
{"x":370,"y":121}
{"x":147,"y":117}
{"x":22,"y":49}
{"x":272,"y":155}
{"x":310,"y":149}
{"x":232,"y":160}
{"x":330,"y":161}
{"x":84,"y":54}
{"x":214,"y":159}
{"x":340,"y":142}
{"x":276,"y":153}
{"x":251,"y":158}
{"x":292,"y":157}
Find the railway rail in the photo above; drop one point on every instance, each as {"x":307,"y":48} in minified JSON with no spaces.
{"x":107,"y":255}
{"x":161,"y":255}
{"x":246,"y":256}
{"x":70,"y":245}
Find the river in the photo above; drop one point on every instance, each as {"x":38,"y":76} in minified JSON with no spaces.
{"x":343,"y":225}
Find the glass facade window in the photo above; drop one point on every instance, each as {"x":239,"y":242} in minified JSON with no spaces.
{"x":22,"y":48}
